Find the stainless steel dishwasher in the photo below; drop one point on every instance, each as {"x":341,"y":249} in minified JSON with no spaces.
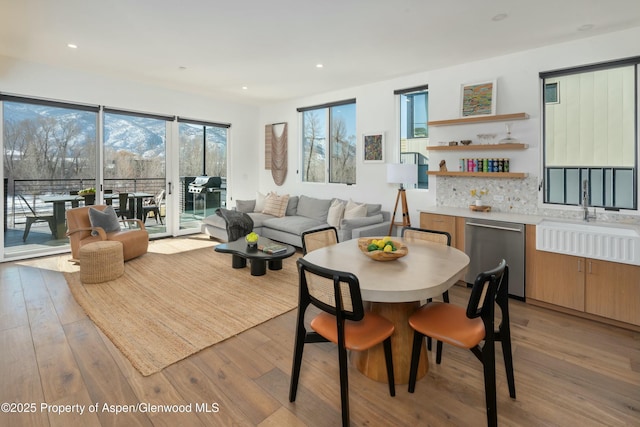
{"x":487,"y":242}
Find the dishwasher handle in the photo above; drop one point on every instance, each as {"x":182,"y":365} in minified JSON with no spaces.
{"x":496,"y":227}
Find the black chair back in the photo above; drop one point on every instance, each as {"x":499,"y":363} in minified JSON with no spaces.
{"x":332,"y":291}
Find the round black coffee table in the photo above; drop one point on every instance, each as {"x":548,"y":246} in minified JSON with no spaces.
{"x":259,"y":259}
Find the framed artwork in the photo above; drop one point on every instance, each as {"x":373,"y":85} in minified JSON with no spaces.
{"x":373,"y":148}
{"x":478,"y":99}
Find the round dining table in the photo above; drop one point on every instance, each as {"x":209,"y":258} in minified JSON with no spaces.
{"x":395,"y":289}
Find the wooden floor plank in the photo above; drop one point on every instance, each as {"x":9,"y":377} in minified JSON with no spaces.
{"x":569,"y":371}
{"x":104,"y":380}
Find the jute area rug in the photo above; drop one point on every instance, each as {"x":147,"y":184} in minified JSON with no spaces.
{"x":171,"y":303}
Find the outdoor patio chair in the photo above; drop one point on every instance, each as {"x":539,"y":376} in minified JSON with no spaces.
{"x":32,"y":218}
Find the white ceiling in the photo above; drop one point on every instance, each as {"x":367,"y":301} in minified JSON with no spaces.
{"x":215,"y":47}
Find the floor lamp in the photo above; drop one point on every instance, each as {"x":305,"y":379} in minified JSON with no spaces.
{"x":401,"y":173}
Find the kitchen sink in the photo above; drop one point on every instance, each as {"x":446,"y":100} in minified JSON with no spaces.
{"x":605,"y":241}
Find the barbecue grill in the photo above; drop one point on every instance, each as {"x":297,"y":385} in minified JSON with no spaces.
{"x":206,"y":193}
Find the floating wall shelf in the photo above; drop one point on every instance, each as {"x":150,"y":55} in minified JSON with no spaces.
{"x":478,"y":147}
{"x":479,"y":119}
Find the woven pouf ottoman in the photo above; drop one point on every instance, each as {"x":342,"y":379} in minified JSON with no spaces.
{"x":101,"y":261}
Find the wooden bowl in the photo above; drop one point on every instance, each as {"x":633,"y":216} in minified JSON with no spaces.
{"x":380,"y":255}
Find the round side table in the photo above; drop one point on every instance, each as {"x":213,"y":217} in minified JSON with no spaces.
{"x":101,"y":261}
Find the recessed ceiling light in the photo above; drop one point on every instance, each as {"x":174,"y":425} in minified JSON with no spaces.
{"x":585,"y":27}
{"x":319,"y":65}
{"x":245,"y":88}
{"x":72,"y":46}
{"x":499,"y":17}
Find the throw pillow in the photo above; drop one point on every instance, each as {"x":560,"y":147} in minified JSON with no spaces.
{"x":106,"y":219}
{"x":355,"y":210}
{"x":275,"y":205}
{"x":292,"y":206}
{"x":245,"y":206}
{"x":336,"y":211}
{"x":259,"y":202}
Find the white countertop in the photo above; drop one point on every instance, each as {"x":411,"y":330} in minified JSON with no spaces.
{"x":521,"y":218}
{"x":495,"y":216}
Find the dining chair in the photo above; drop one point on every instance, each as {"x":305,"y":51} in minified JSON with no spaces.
{"x":153,"y":206}
{"x":342,"y":321}
{"x":467,"y":328}
{"x":74,"y":203}
{"x":318,"y":238}
{"x":124,"y":206}
{"x":108,"y":200}
{"x":435,"y":236}
{"x":32,"y":217}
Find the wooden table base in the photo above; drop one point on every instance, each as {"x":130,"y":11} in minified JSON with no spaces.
{"x":371,"y":362}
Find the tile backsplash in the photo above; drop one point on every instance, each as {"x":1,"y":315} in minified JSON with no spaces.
{"x":519,"y":196}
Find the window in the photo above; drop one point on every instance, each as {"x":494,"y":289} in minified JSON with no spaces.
{"x":414,"y":131}
{"x":329,"y":142}
{"x":134,"y":149}
{"x":590,"y":135}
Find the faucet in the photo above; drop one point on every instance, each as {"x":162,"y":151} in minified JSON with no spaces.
{"x":585,"y":202}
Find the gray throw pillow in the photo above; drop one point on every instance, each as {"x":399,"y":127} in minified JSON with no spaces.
{"x":106,"y":219}
{"x":245,"y":206}
{"x":292,"y":206}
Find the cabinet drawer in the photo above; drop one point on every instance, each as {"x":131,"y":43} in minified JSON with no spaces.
{"x":438,"y":222}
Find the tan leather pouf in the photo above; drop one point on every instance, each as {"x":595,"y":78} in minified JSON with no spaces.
{"x":101,"y":261}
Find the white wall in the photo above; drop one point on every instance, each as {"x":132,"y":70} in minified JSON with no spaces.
{"x":41,"y":81}
{"x":518,"y":91}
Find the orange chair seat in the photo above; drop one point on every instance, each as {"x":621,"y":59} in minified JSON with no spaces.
{"x":448,"y":323}
{"x":359,"y":336}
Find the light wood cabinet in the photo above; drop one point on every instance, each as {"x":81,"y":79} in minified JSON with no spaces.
{"x":605,"y":289}
{"x":559,"y":280}
{"x":451,"y":224}
{"x":612,"y":290}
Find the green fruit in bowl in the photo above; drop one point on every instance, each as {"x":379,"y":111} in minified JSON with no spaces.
{"x":252,"y":237}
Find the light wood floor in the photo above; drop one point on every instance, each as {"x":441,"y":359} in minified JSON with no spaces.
{"x":569,"y":372}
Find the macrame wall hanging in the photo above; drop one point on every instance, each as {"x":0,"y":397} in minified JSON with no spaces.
{"x":275,"y":147}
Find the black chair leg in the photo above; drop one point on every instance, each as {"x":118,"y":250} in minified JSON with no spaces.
{"x":344,"y":385}
{"x":415,"y":359}
{"x":438,"y":352}
{"x":508,"y":361}
{"x":489,"y":366}
{"x":297,"y":361}
{"x":388,"y":357}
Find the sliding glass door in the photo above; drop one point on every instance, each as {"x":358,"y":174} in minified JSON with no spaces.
{"x":202,"y":152}
{"x":134,"y":167}
{"x":49,"y":155}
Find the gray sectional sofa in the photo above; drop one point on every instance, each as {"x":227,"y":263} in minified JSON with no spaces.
{"x":303,"y":213}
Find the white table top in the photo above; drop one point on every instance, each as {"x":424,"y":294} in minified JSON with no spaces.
{"x":426,"y":271}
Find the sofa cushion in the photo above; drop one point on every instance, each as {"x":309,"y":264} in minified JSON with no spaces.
{"x":347,"y":225}
{"x":259,"y":218}
{"x":311,"y":207}
{"x":336,"y":210}
{"x":292,"y":224}
{"x":245,"y":206}
{"x":106,"y":219}
{"x":275,"y":205}
{"x":292,"y":206}
{"x":355,"y":210}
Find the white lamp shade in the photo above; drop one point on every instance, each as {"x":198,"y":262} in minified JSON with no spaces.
{"x":402,"y":173}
